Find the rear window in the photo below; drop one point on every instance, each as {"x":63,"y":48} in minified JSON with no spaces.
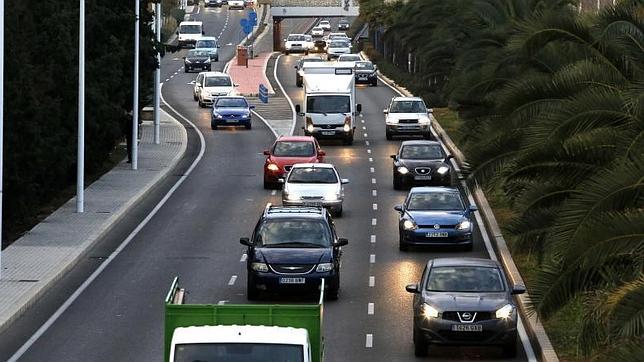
{"x":296,"y":38}
{"x":293,"y":149}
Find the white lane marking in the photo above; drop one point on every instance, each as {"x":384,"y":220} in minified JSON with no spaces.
{"x":372,"y":259}
{"x":232,"y":280}
{"x":374,"y":221}
{"x":369,"y":151}
{"x":370,"y":159}
{"x":374,"y":192}
{"x":221,"y":302}
{"x":375,"y":206}
{"x":366,"y":143}
{"x":243,"y":258}
{"x":373,"y":239}
{"x":363,"y":127}
{"x":167,"y":79}
{"x":362,"y":120}
{"x":274,"y":192}
{"x":527,"y":346}
{"x":373,"y":180}
{"x":372,"y":281}
{"x":372,"y":169}
{"x":172,"y":76}
{"x":366,"y":135}
{"x":369,"y":341}
{"x":72,"y":298}
{"x":370,"y":308}
{"x":290,"y":102}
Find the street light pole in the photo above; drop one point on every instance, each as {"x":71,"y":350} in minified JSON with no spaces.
{"x":80,"y":164}
{"x":1,"y":119}
{"x":135,"y":101}
{"x":157,"y":76}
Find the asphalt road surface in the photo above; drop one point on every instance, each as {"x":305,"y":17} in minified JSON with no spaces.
{"x":195,"y":235}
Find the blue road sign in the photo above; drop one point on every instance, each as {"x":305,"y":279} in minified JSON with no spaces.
{"x":263,"y":93}
{"x":252,"y":17}
{"x":247,"y":26}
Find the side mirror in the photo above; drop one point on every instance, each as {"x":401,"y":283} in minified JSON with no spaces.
{"x":344,"y":181}
{"x":245,"y":241}
{"x":375,"y":67}
{"x":449,"y":157}
{"x":235,"y":85}
{"x":412,"y":288}
{"x":267,"y":153}
{"x":177,"y":32}
{"x":399,"y":208}
{"x":473,"y":208}
{"x":298,"y":108}
{"x":430,"y":110}
{"x":394,"y":157}
{"x":341,"y":242}
{"x":184,"y":58}
{"x":280,"y":181}
{"x":359,"y":107}
{"x":203,"y":32}
{"x":385,"y":111}
{"x":218,"y":46}
{"x":251,"y":107}
{"x":518,"y":289}
{"x":301,"y":114}
{"x":295,"y":66}
{"x":321,"y":153}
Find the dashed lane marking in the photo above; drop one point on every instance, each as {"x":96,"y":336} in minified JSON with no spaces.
{"x":370,"y":308}
{"x":372,"y":169}
{"x":366,"y":143}
{"x":375,"y":206}
{"x":372,"y":281}
{"x":373,"y":180}
{"x":374,"y":192}
{"x":370,"y":159}
{"x":366,"y":135}
{"x":372,"y":259}
{"x":374,"y":221}
{"x":373,"y":239}
{"x":274,"y":192}
{"x":369,"y":151}
{"x":232,"y":280}
{"x":369,"y":341}
{"x":243,"y":258}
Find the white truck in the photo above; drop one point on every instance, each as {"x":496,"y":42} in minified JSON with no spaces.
{"x":189,"y":32}
{"x":330,"y":107}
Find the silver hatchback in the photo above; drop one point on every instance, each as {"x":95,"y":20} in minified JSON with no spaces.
{"x":314,"y":184}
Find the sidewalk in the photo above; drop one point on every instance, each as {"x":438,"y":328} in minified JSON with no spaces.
{"x":42,"y":256}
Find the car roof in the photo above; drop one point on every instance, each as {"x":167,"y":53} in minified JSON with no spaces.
{"x":419,"y":142}
{"x":208,"y":38}
{"x":438,"y":262}
{"x":407,"y":99}
{"x":434,"y":189}
{"x":296,"y":34}
{"x":191,"y":23}
{"x":295,"y":138}
{"x":271,"y":211}
{"x":212,"y":74}
{"x":314,"y":165}
{"x":231,"y":97}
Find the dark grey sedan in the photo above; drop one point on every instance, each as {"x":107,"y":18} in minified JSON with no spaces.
{"x":421,"y":163}
{"x":464,"y":301}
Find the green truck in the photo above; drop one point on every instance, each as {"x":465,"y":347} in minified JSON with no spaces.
{"x":242,"y":332}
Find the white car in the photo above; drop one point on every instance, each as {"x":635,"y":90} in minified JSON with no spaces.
{"x":236,"y":4}
{"x":210,"y":85}
{"x":335,"y":48}
{"x":314,"y":184}
{"x":298,"y":43}
{"x":408,"y":116}
{"x":325,"y":25}
{"x":317,"y":31}
{"x":334,"y":36}
{"x":352,"y":58}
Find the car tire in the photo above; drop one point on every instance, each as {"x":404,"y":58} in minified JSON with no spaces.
{"x":286,"y":52}
{"x":195,"y":97}
{"x":268,"y":185}
{"x":375,"y":83}
{"x":510,"y":350}
{"x":397,"y":183}
{"x":389,"y":136}
{"x":348,"y":141}
{"x":248,"y":126}
{"x":420,"y":344}
{"x":217,"y":59}
{"x":201,"y":105}
{"x":427,"y":136}
{"x":338,"y":212}
{"x":468,"y":247}
{"x":185,"y":70}
{"x":402,"y":245}
{"x":298,"y":83}
{"x":251,"y":291}
{"x":213,"y":126}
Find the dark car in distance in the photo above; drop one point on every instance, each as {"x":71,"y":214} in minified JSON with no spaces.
{"x":366,"y":73}
{"x":197,"y":60}
{"x":293,"y":248}
{"x":344,"y":25}
{"x":464,"y":301}
{"x":421,"y":163}
{"x":231,"y":111}
{"x":435,"y":216}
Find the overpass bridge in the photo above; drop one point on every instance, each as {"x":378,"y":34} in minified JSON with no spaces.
{"x":282,"y":9}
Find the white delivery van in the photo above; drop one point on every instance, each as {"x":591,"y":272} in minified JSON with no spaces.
{"x":189,"y":32}
{"x":330,"y":107}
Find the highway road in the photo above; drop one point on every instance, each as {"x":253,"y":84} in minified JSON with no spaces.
{"x":119,"y":317}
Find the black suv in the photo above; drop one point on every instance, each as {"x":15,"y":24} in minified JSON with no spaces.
{"x":293,"y":248}
{"x":421,"y":163}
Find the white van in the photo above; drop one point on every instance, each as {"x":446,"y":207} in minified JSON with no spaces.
{"x":189,"y":32}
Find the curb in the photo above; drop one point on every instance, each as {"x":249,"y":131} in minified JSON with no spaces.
{"x":99,"y":234}
{"x":537,"y":334}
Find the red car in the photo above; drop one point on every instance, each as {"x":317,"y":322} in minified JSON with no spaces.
{"x":287,"y":151}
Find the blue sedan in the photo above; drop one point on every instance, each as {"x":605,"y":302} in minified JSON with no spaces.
{"x":435,"y":216}
{"x":231,"y":111}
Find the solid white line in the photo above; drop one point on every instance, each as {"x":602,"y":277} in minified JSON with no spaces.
{"x":373,"y":180}
{"x":370,"y":308}
{"x":375,"y":206}
{"x":372,"y":169}
{"x":369,"y":341}
{"x":374,"y":221}
{"x":370,"y":159}
{"x":372,"y":259}
{"x":373,"y":239}
{"x":232,"y":280}
{"x":372,"y":281}
{"x":243,"y":258}
{"x":274,"y":192}
{"x":72,"y":298}
{"x":290,"y":102}
{"x":374,"y":192}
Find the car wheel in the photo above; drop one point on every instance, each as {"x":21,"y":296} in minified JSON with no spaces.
{"x":194,"y":96}
{"x":420,"y":344}
{"x":213,"y":126}
{"x":202,"y":105}
{"x":397,"y":182}
{"x":216,"y":59}
{"x":332,"y":293}
{"x":185,"y":70}
{"x":251,"y":291}
{"x":286,"y":52}
{"x":338,"y":212}
{"x":349,"y":140}
{"x":375,"y":83}
{"x":268,"y":185}
{"x":389,"y":136}
{"x":298,"y":83}
{"x":510,"y":350}
{"x":468,"y":247}
{"x":248,"y":126}
{"x":402,"y":245}
{"x":427,"y":136}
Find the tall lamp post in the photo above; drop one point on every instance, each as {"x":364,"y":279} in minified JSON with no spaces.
{"x":135,"y":101}
{"x":157,"y":75}
{"x":80,"y":164}
{"x":1,"y":119}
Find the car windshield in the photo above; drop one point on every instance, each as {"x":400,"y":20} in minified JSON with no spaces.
{"x":408,"y":107}
{"x":218,"y":82}
{"x":197,"y":53}
{"x":434,"y":201}
{"x":477,"y":279}
{"x":190,"y":29}
{"x":317,"y":29}
{"x":312,"y":60}
{"x":421,"y":152}
{"x":364,"y":65}
{"x":293,"y":232}
{"x":296,"y":38}
{"x":236,"y":352}
{"x":328,"y":104}
{"x":349,"y":58}
{"x":206,"y":44}
{"x":312,"y":175}
{"x":339,"y":44}
{"x":231,"y":103}
{"x":293,"y":149}
{"x":324,"y":22}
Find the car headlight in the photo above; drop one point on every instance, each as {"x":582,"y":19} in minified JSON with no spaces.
{"x":423,"y":120}
{"x":292,"y":197}
{"x":331,"y":196}
{"x":505,"y":312}
{"x":392,"y":121}
{"x":273,"y":167}
{"x":310,"y":127}
{"x":188,"y":61}
{"x":428,"y":311}
{"x":259,"y":267}
{"x":409,"y":225}
{"x":217,"y":115}
{"x":442,"y":170}
{"x":324,"y":267}
{"x":347,"y":127}
{"x":464,"y":225}
{"x":403,"y":170}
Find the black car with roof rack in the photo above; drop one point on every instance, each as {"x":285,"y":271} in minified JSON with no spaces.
{"x":293,"y":248}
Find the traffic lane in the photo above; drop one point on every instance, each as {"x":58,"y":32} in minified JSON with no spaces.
{"x":195,"y":235}
{"x":397,"y":269}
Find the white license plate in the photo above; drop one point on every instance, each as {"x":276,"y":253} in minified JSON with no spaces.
{"x":422,"y":177}
{"x":314,"y":204}
{"x":467,"y":328}
{"x":436,"y":234}
{"x":292,"y":280}
{"x":231,"y":121}
{"x":363,"y":78}
{"x":328,"y":133}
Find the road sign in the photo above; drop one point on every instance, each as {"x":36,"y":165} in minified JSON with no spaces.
{"x":263,"y":93}
{"x":246,"y":25}
{"x":252,"y":17}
